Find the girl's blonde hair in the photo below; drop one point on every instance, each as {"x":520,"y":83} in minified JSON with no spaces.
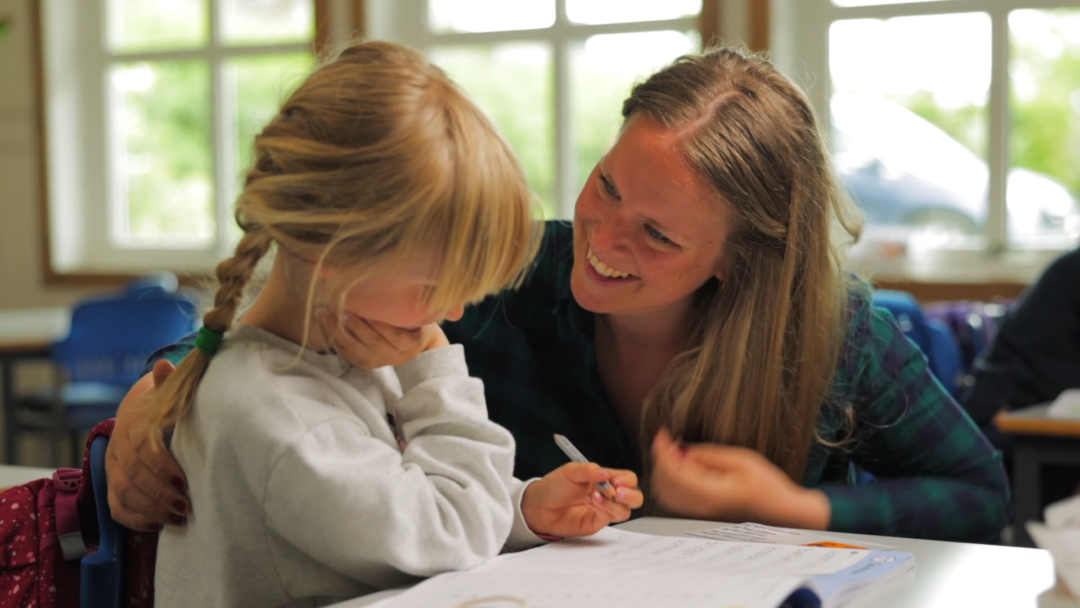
{"x":766,"y":342}
{"x":377,"y":157}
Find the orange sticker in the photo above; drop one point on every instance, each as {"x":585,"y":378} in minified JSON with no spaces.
{"x":833,"y":545}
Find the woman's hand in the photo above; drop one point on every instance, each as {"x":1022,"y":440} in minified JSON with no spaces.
{"x":146,"y":485}
{"x":566,"y":501}
{"x":370,"y":344}
{"x":705,"y":481}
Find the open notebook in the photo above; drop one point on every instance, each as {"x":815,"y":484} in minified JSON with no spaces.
{"x":621,"y":569}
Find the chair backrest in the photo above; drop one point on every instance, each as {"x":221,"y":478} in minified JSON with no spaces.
{"x":102,"y":576}
{"x":153,"y":283}
{"x":908,"y":313}
{"x":111,"y":338}
{"x":932,"y":336}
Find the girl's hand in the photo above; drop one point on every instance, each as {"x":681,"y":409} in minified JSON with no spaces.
{"x":370,"y":344}
{"x":705,"y":481}
{"x":566,"y":502}
{"x":146,"y":485}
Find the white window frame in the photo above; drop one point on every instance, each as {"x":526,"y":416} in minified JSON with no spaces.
{"x":406,"y":22}
{"x":82,"y":183}
{"x":800,"y":34}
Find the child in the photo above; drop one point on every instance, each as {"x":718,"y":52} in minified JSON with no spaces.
{"x":389,"y":198}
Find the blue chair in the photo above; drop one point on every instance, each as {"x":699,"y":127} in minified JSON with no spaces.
{"x":102,"y":578}
{"x":932,"y":336}
{"x":102,"y":356}
{"x":163,"y":281}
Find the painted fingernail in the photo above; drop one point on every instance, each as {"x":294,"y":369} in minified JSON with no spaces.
{"x":176,"y":519}
{"x":156,"y":527}
{"x":180,"y":506}
{"x":620,"y":494}
{"x":178,"y":484}
{"x":598,"y":498}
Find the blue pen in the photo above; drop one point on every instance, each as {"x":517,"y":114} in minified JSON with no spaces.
{"x":568,"y":448}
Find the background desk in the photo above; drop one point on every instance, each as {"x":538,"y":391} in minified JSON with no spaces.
{"x":16,"y":476}
{"x":947,"y":575}
{"x":26,"y":333}
{"x":1037,"y":440}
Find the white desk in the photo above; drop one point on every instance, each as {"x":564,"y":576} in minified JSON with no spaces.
{"x":947,"y":575}
{"x":32,"y":328}
{"x":15,"y":476}
{"x":25,"y":333}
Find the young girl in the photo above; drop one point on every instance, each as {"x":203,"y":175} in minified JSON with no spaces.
{"x":391,"y":199}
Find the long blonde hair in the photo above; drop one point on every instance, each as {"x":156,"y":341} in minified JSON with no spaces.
{"x":377,"y":156}
{"x":766,"y":342}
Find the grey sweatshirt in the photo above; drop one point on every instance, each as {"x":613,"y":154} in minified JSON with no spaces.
{"x":302,"y":495}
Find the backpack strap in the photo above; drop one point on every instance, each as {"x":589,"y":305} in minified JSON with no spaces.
{"x":66,"y":483}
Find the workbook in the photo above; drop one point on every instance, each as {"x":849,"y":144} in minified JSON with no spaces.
{"x":622,"y":569}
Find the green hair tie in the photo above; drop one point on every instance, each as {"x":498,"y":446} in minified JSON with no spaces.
{"x":208,"y":341}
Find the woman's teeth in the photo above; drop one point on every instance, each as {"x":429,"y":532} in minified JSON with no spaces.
{"x":603,"y":269}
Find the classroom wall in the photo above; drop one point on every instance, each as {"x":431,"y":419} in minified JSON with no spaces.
{"x":21,"y":242}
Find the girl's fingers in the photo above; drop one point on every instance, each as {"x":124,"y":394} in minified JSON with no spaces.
{"x":363,"y":331}
{"x":632,"y":498}
{"x":406,"y":340}
{"x":623,"y":479}
{"x":609,"y":510}
{"x":584,"y":472}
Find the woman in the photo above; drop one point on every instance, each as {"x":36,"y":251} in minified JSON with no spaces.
{"x":698,"y":295}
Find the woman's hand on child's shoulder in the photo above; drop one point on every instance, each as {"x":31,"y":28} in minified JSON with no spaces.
{"x":567,"y":502}
{"x":146,"y":484}
{"x":369,"y":344}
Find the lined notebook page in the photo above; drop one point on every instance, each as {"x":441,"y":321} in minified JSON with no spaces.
{"x":621,"y":569}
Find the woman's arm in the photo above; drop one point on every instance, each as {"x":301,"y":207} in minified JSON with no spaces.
{"x":937,"y":476}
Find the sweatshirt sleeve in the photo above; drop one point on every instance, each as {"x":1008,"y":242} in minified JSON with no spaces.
{"x":521,"y":537}
{"x":359,"y":505}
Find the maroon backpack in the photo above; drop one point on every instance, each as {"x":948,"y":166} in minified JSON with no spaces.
{"x":47,"y":526}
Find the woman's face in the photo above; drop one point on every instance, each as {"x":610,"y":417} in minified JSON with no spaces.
{"x":648,"y":232}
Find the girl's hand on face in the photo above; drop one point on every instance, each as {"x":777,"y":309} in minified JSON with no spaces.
{"x":719,"y":483}
{"x":566,"y":502}
{"x":146,"y":484}
{"x":370,"y":344}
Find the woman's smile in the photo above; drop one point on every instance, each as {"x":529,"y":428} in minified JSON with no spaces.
{"x":604,"y":274}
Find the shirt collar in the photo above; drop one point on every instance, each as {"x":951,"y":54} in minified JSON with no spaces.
{"x":563,"y":250}
{"x":582,"y":320}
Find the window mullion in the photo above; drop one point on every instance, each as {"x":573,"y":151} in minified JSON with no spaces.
{"x":221,"y":134}
{"x":565,"y":151}
{"x":998,"y":161}
{"x":105,"y":178}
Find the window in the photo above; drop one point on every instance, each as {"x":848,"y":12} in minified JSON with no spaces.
{"x":151,"y":107}
{"x":552,"y":74}
{"x":954,"y":125}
